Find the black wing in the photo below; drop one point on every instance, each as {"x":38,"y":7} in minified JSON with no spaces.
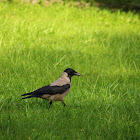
{"x":52,"y":90}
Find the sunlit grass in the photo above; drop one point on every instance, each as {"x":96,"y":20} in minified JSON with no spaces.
{"x":38,"y":43}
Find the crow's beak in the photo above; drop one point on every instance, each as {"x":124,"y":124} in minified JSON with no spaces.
{"x":78,"y":74}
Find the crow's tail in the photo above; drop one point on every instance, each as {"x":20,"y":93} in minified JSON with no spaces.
{"x":31,"y":96}
{"x":26,"y":94}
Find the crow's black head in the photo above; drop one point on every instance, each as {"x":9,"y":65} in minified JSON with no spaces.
{"x":71,"y":72}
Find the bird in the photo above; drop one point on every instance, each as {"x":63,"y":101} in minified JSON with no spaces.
{"x":55,"y":91}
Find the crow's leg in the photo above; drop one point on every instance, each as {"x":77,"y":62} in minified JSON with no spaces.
{"x":50,"y":104}
{"x":63,"y":103}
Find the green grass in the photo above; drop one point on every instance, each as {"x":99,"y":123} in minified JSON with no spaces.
{"x":38,"y":43}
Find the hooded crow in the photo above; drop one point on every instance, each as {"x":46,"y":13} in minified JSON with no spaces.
{"x":57,"y":90}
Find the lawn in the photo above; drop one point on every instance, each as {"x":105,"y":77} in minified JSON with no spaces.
{"x":38,"y":43}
